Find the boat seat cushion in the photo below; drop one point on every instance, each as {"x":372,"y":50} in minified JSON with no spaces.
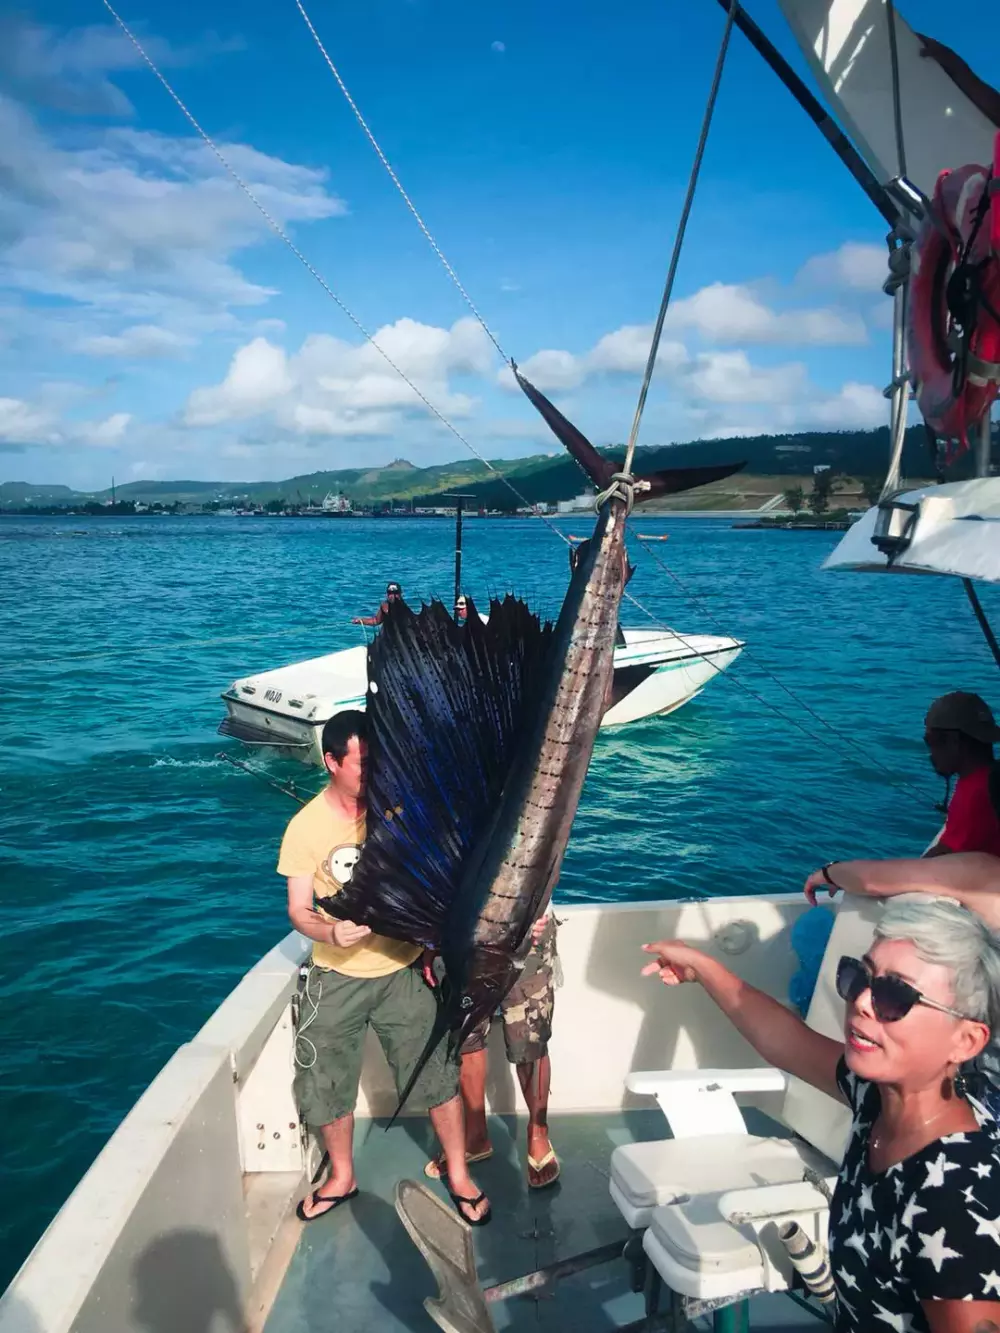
{"x":699,"y":1253}
{"x":647,"y":1175}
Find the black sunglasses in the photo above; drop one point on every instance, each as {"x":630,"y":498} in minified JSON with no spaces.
{"x":892,"y":997}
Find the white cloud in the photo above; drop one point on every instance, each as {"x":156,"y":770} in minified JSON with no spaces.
{"x":721,"y":313}
{"x":731,"y":313}
{"x":22,"y":423}
{"x":331,"y":387}
{"x":729,"y":377}
{"x":105,"y":434}
{"x":857,"y":405}
{"x":549,"y":370}
{"x":140,"y":340}
{"x":68,"y":70}
{"x":857,"y":265}
{"x":138,"y":227}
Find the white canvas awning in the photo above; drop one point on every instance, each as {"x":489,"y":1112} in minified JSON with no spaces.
{"x":847,"y":45}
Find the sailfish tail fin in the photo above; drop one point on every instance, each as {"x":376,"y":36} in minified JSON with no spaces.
{"x":668,"y":481}
{"x":598,"y":469}
{"x":442,"y":1024}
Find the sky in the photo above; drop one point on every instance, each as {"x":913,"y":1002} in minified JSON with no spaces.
{"x":152,"y":326}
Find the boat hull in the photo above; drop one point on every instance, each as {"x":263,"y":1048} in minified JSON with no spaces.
{"x":285,"y":710}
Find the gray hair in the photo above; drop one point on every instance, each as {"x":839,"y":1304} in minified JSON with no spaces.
{"x":944,"y":932}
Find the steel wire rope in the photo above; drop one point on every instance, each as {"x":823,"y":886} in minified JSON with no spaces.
{"x":398,"y":183}
{"x":675,"y":255}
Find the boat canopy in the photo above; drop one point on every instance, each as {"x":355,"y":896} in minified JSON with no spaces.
{"x":952,"y":529}
{"x":944,"y":122}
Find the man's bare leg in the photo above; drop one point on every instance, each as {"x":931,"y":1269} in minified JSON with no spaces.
{"x":449,"y":1126}
{"x":473,"y":1084}
{"x":338,"y":1139}
{"x":535,"y":1079}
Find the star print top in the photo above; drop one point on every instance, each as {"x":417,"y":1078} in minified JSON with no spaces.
{"x":928,"y":1228}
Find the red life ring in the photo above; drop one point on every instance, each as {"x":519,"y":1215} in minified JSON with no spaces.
{"x":954,"y":303}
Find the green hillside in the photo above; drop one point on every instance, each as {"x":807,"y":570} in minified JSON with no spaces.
{"x":541,"y":478}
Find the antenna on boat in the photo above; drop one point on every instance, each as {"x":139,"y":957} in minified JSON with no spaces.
{"x":459,"y":499}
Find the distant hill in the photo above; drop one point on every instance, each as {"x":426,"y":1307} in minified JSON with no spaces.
{"x":24,"y":493}
{"x":540,"y":478}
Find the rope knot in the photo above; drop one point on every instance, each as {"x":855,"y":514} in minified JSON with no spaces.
{"x":622,"y":486}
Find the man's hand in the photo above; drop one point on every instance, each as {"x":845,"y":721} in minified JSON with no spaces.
{"x":346,"y":934}
{"x":427,"y":968}
{"x":676,"y":962}
{"x":538,"y":929}
{"x":817,"y":880}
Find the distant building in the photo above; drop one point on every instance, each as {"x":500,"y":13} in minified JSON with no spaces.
{"x":575,"y":506}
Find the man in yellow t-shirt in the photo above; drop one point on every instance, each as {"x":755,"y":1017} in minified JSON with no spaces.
{"x":357,"y":979}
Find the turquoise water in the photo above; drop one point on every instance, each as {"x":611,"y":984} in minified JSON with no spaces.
{"x":137,"y":869}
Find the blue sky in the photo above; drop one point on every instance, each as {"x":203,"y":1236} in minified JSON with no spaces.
{"x":152,"y":327}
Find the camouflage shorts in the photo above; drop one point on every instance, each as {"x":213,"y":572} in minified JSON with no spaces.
{"x":527,"y":1009}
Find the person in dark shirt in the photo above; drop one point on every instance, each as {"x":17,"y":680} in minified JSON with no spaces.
{"x":960,"y":732}
{"x":915,"y":1217}
{"x":393,"y":593}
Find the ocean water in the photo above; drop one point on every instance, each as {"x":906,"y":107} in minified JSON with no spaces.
{"x":137,"y":870}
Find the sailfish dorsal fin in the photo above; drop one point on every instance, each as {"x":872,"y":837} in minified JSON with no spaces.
{"x":447,"y":707}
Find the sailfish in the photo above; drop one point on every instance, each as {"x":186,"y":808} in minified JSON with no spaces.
{"x":479,"y":740}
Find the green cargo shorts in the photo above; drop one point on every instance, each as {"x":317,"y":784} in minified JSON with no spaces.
{"x":335,"y":1011}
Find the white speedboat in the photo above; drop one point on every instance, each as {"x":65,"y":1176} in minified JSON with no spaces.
{"x":286,"y":708}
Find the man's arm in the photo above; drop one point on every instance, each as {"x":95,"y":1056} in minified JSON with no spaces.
{"x":308,"y":921}
{"x":376,"y":619}
{"x":971,"y":877}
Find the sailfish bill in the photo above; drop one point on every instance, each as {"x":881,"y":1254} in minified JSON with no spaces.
{"x":480,"y":736}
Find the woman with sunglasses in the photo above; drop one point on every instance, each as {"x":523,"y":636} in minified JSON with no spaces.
{"x":915,"y":1219}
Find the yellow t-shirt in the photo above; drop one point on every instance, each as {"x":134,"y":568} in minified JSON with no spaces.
{"x":321,"y":843}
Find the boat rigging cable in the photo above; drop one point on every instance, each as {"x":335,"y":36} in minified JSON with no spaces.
{"x":736,"y":16}
{"x":675,"y":256}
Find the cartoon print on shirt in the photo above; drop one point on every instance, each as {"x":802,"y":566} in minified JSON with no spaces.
{"x":339,"y":865}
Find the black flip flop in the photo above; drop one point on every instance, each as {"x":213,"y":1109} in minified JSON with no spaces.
{"x":315,"y":1198}
{"x":459,"y":1199}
